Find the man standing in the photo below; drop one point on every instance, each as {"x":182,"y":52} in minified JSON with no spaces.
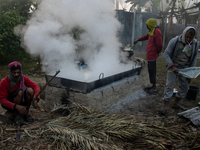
{"x":154,"y":47}
{"x":180,"y":53}
{"x":17,"y":92}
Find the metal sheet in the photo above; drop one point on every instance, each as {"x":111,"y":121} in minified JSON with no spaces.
{"x":193,"y":115}
{"x":86,"y":87}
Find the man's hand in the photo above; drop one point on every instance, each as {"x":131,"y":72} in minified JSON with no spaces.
{"x":174,"y":69}
{"x":135,"y":41}
{"x":21,"y":109}
{"x":35,"y":103}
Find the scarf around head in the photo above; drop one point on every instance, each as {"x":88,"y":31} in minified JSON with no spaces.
{"x":151,"y":23}
{"x":182,"y":39}
{"x":13,"y":81}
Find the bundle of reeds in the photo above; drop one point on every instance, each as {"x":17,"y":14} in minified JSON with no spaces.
{"x":86,"y":129}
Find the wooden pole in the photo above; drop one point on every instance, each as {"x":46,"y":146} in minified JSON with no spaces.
{"x":117,"y":5}
{"x":198,"y":28}
{"x":47,"y":84}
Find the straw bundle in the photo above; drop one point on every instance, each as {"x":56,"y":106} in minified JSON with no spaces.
{"x":86,"y":129}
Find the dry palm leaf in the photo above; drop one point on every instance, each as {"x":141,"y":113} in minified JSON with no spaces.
{"x":92,"y":130}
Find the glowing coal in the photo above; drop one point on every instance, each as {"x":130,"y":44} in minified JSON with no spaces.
{"x":63,"y":32}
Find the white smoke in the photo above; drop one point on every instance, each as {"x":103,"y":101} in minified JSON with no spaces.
{"x":48,"y":34}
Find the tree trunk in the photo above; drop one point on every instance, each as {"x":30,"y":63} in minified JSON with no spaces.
{"x":172,"y":12}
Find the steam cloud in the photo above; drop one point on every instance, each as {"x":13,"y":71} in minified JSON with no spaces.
{"x":49,"y":34}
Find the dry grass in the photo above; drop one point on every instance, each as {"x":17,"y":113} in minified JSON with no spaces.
{"x":89,"y":130}
{"x":84,"y":129}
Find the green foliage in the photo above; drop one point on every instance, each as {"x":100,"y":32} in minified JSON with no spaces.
{"x":155,"y":5}
{"x":169,"y":6}
{"x":21,"y":6}
{"x":12,"y":13}
{"x":139,"y":4}
{"x":10,"y":44}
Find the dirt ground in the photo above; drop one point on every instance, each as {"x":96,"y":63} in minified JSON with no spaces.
{"x":146,"y":111}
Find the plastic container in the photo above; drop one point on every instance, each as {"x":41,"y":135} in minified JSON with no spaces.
{"x":192,"y":93}
{"x":175,"y":91}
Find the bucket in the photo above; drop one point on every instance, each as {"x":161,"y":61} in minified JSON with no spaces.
{"x":192,"y":93}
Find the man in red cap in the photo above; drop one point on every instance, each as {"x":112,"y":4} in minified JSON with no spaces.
{"x":17,"y":93}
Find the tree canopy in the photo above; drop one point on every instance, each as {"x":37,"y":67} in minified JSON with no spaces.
{"x":13,"y":13}
{"x":138,"y":5}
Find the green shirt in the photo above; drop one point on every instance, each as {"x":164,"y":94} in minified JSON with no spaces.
{"x":182,"y":58}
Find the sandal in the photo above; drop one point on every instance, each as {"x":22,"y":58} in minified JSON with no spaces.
{"x":179,"y":107}
{"x":147,"y":88}
{"x":18,"y":120}
{"x":151,"y":91}
{"x":163,"y":111}
{"x":28,"y":118}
